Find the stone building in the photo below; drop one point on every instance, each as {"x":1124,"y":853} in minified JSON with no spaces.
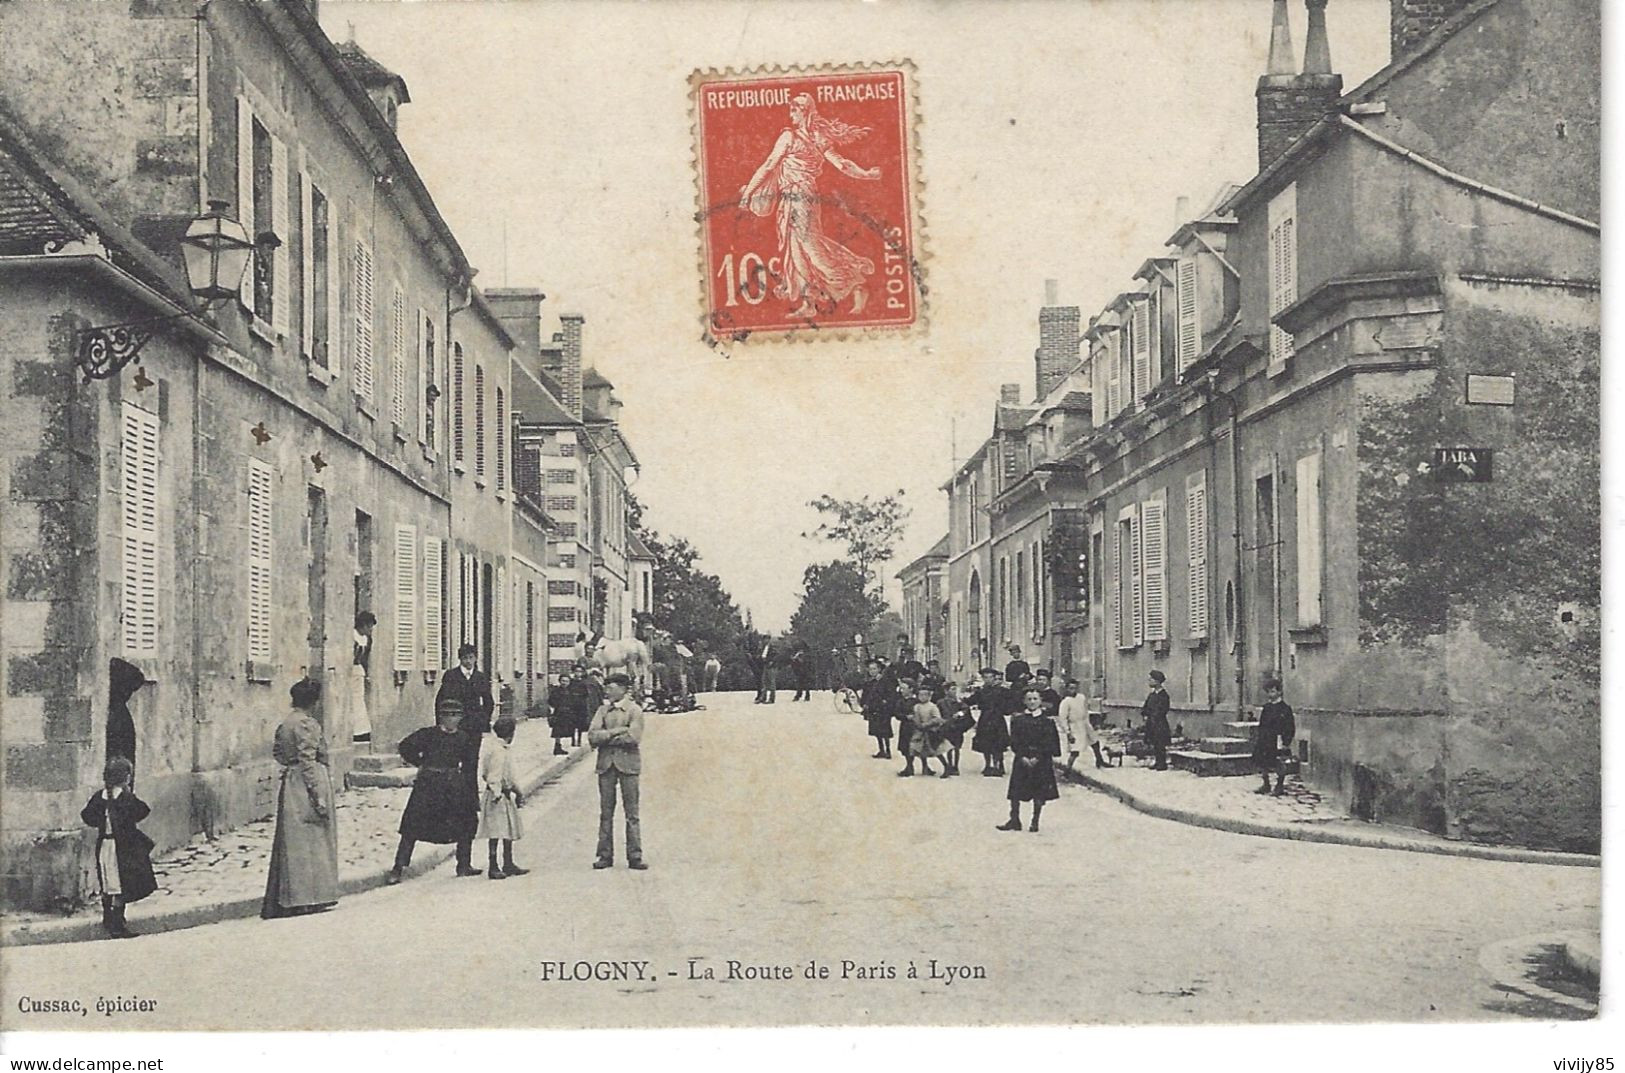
{"x":1345,"y":431}
{"x":218,"y":513}
{"x":923,"y":606}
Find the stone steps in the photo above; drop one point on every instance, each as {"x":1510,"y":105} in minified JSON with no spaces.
{"x":1202,"y":762}
{"x":376,"y":762}
{"x":400,"y":775}
{"x":1228,"y":746}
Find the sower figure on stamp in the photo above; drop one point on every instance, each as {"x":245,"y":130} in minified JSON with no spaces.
{"x":444,"y":807}
{"x":617,"y":730}
{"x":818,"y":272}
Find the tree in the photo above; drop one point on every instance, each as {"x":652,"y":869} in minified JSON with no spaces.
{"x":691,"y":604}
{"x":835,"y":605}
{"x":870,"y":529}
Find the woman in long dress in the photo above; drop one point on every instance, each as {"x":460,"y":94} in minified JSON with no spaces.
{"x":304,"y":874}
{"x":816,"y":272}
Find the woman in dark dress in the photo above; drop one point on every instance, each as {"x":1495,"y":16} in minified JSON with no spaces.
{"x":123,"y":679}
{"x":561,"y":718}
{"x":1036,"y":743}
{"x":443,"y":808}
{"x":992,"y":736}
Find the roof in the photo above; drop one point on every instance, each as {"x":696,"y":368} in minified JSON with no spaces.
{"x":368,"y":71}
{"x":938,"y":552}
{"x":636,"y":548}
{"x":1010,"y":417}
{"x":1330,"y":127}
{"x":591,"y":377}
{"x":975,"y":457}
{"x":44,"y":210}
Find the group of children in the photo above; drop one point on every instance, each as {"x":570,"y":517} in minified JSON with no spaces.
{"x":1015,"y":710}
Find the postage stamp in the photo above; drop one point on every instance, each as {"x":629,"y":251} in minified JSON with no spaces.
{"x":809,"y":208}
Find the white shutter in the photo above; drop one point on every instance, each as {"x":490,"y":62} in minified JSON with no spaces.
{"x":335,"y":330}
{"x":1122,"y":585}
{"x":1097,"y":392}
{"x":433,"y":604}
{"x":1190,"y":328}
{"x":421,"y":405}
{"x":456,"y":400}
{"x":139,"y":465}
{"x":361,"y":301}
{"x":1196,"y":550}
{"x":245,"y":189}
{"x":260,"y":550}
{"x":406,"y":597}
{"x":280,"y":284}
{"x":516,"y":632}
{"x":1309,"y":541}
{"x":499,"y":598}
{"x":397,"y":359}
{"x":502,"y":441}
{"x":1155,"y":524}
{"x":468,"y":601}
{"x":1283,"y":265}
{"x":1137,"y":550}
{"x":1114,"y":382}
{"x":307,"y":274}
{"x":1141,"y":326}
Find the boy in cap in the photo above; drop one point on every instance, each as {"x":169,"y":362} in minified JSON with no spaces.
{"x":1155,"y":713}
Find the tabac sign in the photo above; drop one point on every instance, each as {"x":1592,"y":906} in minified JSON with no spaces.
{"x":1461,"y":465}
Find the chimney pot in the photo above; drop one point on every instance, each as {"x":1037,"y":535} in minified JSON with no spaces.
{"x":1010,"y":394}
{"x":1051,"y":292}
{"x":1317,"y":51}
{"x":1280,"y":61}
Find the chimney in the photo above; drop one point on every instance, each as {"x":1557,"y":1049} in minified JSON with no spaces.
{"x":569,"y":341}
{"x":1289,"y":104}
{"x":1182,"y":212}
{"x":1058,"y":337}
{"x":1009,"y":394}
{"x":1409,"y":21}
{"x":520,"y":311}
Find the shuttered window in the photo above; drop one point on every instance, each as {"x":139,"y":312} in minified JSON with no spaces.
{"x":245,"y":190}
{"x":434,"y":607}
{"x":425,"y":360}
{"x":406,"y":597}
{"x":138,"y":462}
{"x":1114,"y":381}
{"x":397,"y":359}
{"x":261,"y":544}
{"x":1196,"y":551}
{"x":319,"y":273}
{"x":1154,"y":566}
{"x":1099,"y":415}
{"x":457,"y":402}
{"x":499,"y":620}
{"x":280,"y":282}
{"x":1123,"y":583}
{"x":1137,"y":569}
{"x":361,"y":297}
{"x":1283,"y":267}
{"x":1141,"y":335}
{"x":502,"y":442}
{"x":1310,"y":550}
{"x":479,"y":422}
{"x":1190,"y":326}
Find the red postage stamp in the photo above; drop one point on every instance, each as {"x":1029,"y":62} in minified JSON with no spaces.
{"x":809,"y":212}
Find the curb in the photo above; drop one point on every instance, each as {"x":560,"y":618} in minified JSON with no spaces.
{"x":427,"y":858}
{"x":1345,"y":838}
{"x":1583,"y":954}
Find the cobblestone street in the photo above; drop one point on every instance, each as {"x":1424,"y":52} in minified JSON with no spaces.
{"x":776,"y":840}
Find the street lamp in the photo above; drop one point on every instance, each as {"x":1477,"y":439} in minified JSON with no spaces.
{"x":216,"y":250}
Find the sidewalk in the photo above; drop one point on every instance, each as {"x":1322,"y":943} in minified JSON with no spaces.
{"x":206,"y":881}
{"x":1228,"y":803}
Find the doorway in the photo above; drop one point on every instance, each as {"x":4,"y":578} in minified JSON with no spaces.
{"x":487,"y":620}
{"x":1266,"y":578}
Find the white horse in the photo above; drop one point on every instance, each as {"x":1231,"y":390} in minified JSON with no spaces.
{"x":628,"y":656}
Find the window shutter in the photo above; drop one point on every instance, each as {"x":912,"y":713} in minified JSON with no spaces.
{"x":1097,"y":393}
{"x":260,"y":547}
{"x":335,"y":331}
{"x":1190,"y":333}
{"x":307,"y":261}
{"x":502,"y":441}
{"x":280,"y":298}
{"x":499,"y":621}
{"x":362,"y":303}
{"x":1154,"y":524}
{"x":1114,"y":382}
{"x":1309,"y":541}
{"x":479,"y":421}
{"x":1283,"y":265}
{"x":1196,"y":550}
{"x":245,"y":190}
{"x":1141,"y":323}
{"x":434,"y":643}
{"x":406,"y":603}
{"x":422,"y":407}
{"x":397,"y":359}
{"x":1120,"y":584}
{"x":139,"y":465}
{"x":457,"y":401}
{"x":470,"y":602}
{"x":1137,"y":550}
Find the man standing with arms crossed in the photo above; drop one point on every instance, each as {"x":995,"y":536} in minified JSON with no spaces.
{"x":616,"y":730}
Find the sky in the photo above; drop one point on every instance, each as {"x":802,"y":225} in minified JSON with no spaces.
{"x":1055,"y":138}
